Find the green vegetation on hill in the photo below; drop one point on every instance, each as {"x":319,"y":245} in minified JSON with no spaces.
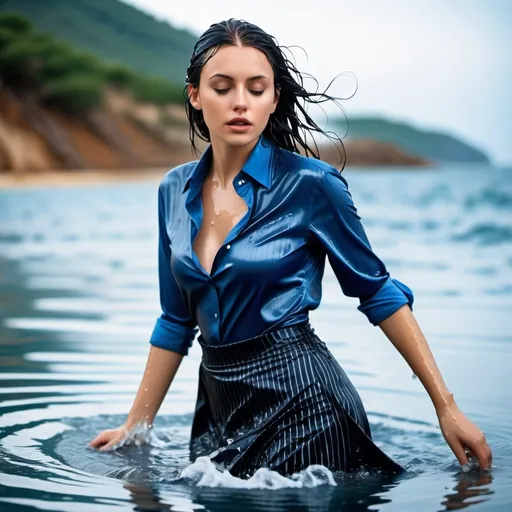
{"x":57,"y":74}
{"x":113,"y":31}
{"x":123,"y":44}
{"x":434,"y":146}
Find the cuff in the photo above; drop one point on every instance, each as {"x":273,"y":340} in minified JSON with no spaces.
{"x":171,"y":336}
{"x":391,"y":296}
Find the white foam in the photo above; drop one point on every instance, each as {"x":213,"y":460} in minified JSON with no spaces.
{"x":204,"y":473}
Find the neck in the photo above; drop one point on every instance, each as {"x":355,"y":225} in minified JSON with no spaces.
{"x":227,"y":161}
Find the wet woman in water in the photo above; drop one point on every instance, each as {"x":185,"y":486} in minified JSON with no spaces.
{"x":243,"y":237}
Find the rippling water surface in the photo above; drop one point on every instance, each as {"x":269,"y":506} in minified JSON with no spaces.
{"x":79,"y":297}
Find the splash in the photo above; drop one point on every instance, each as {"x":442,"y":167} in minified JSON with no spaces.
{"x":204,"y":473}
{"x":140,"y":434}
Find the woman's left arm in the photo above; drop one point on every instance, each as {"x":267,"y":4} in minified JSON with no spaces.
{"x":461,"y":434}
{"x":335,"y":226}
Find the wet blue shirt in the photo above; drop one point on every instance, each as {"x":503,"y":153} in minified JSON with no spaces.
{"x":268,"y":272}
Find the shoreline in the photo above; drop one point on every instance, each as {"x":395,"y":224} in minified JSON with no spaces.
{"x":40,"y":179}
{"x":64,"y":178}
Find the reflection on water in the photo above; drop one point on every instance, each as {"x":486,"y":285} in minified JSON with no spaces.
{"x":78,"y":299}
{"x":469,"y":490}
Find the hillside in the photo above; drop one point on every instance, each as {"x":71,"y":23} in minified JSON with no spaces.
{"x":117,"y":33}
{"x":121,"y":135}
{"x":63,"y":108}
{"x":114,"y":31}
{"x":434,"y":146}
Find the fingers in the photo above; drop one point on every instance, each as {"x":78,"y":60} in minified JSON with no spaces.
{"x":110,"y":445}
{"x":481,"y":453}
{"x":100,"y":439}
{"x":109,"y":439}
{"x":460,"y":453}
{"x":487,"y":451}
{"x":489,"y":454}
{"x":465,"y":439}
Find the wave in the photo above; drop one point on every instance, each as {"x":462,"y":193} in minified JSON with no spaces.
{"x":500,"y":199}
{"x":485,"y":234}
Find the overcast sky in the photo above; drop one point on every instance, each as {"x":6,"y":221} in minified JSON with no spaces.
{"x":441,"y":64}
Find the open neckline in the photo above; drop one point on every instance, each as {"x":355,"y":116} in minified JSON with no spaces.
{"x":228,"y":238}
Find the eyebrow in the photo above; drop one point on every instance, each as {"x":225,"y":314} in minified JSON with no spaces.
{"x":227,"y":77}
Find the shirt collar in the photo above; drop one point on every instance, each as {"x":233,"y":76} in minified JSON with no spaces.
{"x":258,"y":166}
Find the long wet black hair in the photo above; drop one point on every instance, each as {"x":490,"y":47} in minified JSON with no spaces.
{"x":285,"y":127}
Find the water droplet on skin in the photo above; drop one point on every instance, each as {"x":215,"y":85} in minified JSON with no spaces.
{"x":147,"y":405}
{"x":145,"y":389}
{"x":212,"y":223}
{"x":414,"y":376}
{"x":217,"y":212}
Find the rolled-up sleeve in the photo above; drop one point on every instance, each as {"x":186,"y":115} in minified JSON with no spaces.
{"x":336,"y":226}
{"x":175,"y":329}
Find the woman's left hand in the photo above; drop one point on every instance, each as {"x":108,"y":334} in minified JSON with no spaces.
{"x":464,"y":437}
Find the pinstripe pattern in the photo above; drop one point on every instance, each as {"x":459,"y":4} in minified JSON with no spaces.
{"x":281,"y":401}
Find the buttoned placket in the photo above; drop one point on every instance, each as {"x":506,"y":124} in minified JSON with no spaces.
{"x":194,"y":207}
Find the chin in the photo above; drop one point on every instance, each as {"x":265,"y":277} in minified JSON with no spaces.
{"x":240,"y":139}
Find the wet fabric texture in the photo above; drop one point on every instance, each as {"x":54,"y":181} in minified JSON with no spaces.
{"x":281,"y":401}
{"x":269,"y":269}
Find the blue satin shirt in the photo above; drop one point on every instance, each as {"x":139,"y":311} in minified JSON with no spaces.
{"x":268,"y":273}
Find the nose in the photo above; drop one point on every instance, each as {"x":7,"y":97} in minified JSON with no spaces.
{"x":240,"y":99}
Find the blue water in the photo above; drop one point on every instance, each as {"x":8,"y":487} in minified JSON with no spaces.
{"x":79,"y":297}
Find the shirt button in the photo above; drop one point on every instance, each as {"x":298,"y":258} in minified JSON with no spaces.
{"x":216,"y":315}
{"x":228,"y":246}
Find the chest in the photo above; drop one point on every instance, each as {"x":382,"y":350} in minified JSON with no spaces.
{"x":245,"y":233}
{"x":222,"y":210}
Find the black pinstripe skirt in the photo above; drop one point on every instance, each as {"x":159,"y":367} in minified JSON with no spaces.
{"x":281,"y":401}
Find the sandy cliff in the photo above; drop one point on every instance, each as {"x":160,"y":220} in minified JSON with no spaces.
{"x":119,"y":136}
{"x":123,"y":135}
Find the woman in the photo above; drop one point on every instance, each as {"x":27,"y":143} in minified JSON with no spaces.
{"x":243,"y":235}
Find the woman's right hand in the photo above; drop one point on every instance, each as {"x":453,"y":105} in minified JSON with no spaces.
{"x":110,"y":439}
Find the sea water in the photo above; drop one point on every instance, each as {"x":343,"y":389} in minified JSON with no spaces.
{"x":79,"y":298}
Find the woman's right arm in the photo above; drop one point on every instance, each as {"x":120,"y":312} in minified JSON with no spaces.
{"x":170,"y":340}
{"x":161,"y":367}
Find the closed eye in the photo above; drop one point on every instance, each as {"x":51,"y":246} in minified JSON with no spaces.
{"x":225,"y":91}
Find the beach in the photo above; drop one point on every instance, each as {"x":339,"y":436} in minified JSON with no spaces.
{"x":74,"y":178}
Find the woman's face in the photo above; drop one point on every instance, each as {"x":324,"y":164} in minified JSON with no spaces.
{"x":237,"y":82}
